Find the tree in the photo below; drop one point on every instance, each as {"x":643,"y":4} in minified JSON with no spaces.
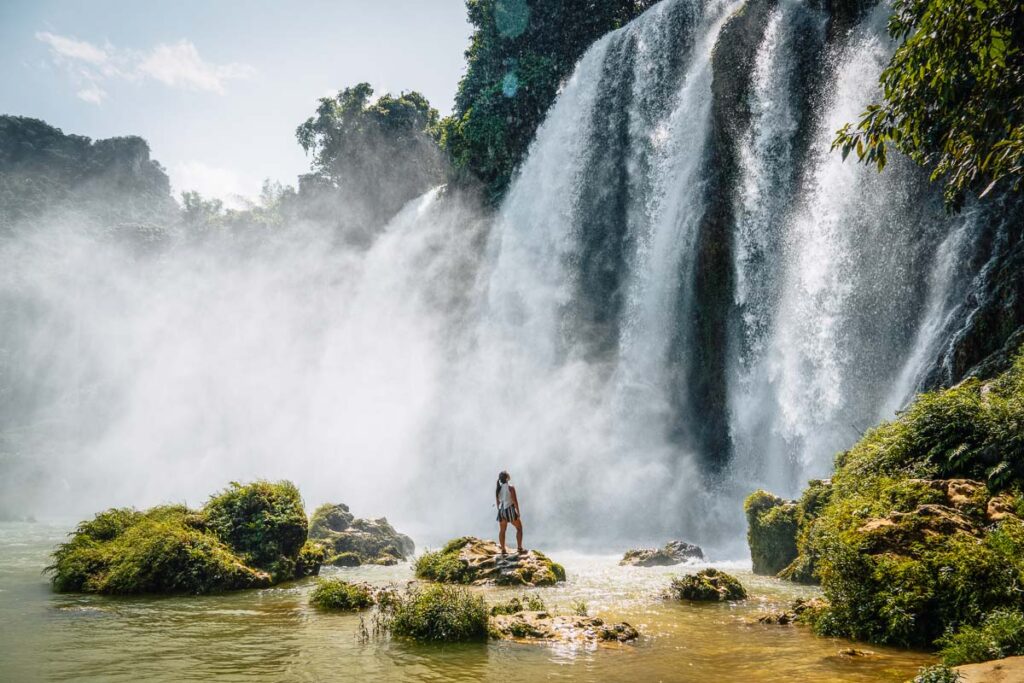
{"x":953,"y":95}
{"x":520,"y":53}
{"x":369,"y":157}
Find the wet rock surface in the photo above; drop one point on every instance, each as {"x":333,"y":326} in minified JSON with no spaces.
{"x":674,"y":552}
{"x":542,"y":625}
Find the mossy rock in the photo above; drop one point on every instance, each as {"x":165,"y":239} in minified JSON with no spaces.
{"x":674,"y":552}
{"x":470,"y":560}
{"x":172,"y":549}
{"x":708,"y":585}
{"x":771,"y":531}
{"x":373,"y":541}
{"x":345,"y":560}
{"x":920,"y":536}
{"x":336,"y":594}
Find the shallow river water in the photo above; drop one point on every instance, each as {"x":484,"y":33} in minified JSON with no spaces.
{"x":273,"y":635}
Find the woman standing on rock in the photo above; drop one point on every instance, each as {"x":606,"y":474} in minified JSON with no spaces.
{"x":508,"y":511}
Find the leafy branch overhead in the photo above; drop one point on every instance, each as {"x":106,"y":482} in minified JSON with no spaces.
{"x":953,"y":95}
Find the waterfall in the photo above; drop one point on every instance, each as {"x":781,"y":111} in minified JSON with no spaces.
{"x":685,"y":295}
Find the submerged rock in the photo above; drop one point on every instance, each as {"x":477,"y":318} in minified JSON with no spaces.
{"x":1009,"y":670}
{"x":474,"y":561}
{"x":248,"y":536}
{"x":542,"y":625}
{"x":708,"y":585}
{"x":674,"y":552}
{"x":370,"y":541}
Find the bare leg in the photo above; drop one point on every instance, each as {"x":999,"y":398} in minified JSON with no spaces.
{"x":501,"y":535}
{"x":519,"y":535}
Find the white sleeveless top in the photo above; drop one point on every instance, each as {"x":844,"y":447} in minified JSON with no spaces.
{"x":504,"y":496}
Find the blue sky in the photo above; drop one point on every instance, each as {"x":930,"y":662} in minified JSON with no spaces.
{"x":217,"y":87}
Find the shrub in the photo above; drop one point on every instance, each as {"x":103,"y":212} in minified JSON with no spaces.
{"x":939,"y":673}
{"x":157,"y":552}
{"x":248,"y":536}
{"x":707,"y":585}
{"x":440,"y":613}
{"x":1000,"y":634}
{"x":579,"y":608}
{"x":528,"y":602}
{"x":771,"y":531}
{"x":340,"y":595}
{"x":262,"y":521}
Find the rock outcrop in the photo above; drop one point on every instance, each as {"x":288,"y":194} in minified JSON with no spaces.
{"x":707,"y":585}
{"x":674,"y":552}
{"x":352,"y":541}
{"x":470,"y":560}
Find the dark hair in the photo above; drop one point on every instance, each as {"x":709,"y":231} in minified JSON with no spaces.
{"x":502,"y":478}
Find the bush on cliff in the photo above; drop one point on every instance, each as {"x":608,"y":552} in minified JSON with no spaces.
{"x":920,"y":537}
{"x":230,"y":544}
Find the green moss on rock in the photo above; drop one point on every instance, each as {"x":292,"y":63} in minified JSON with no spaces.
{"x":707,"y":585}
{"x":919,"y":538}
{"x":469,"y":560}
{"x":335,"y":594}
{"x":229,"y":545}
{"x":345,"y":560}
{"x":771,"y":531}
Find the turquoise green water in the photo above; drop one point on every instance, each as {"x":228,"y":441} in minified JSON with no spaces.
{"x":272,"y":635}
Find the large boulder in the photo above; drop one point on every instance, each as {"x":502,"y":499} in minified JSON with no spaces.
{"x":248,"y":536}
{"x":352,"y":541}
{"x":771,"y":531}
{"x":470,"y":560}
{"x":674,"y":552}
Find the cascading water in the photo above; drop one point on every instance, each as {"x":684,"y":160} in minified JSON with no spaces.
{"x":685,"y":295}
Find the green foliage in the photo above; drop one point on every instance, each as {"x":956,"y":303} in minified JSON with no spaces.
{"x":161,"y":550}
{"x":771,"y":531}
{"x":245,"y":538}
{"x":113,"y":181}
{"x":1000,"y":634}
{"x":707,"y":585}
{"x":358,"y":541}
{"x":263,"y":521}
{"x":443,"y":566}
{"x":579,"y":608}
{"x":520,"y":53}
{"x":336,"y":594}
{"x":528,"y":601}
{"x":939,"y":673}
{"x":905,"y":546}
{"x":369,"y":156}
{"x":439,"y":613}
{"x":953,"y":95}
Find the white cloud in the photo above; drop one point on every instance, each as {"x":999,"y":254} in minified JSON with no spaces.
{"x":210,"y":181}
{"x":176,"y":66}
{"x":73,"y":49}
{"x":181,"y":66}
{"x":92,"y":94}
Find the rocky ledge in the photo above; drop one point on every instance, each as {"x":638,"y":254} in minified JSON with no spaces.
{"x":351,"y":542}
{"x":1009,"y":670}
{"x":470,"y":560}
{"x":674,"y":552}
